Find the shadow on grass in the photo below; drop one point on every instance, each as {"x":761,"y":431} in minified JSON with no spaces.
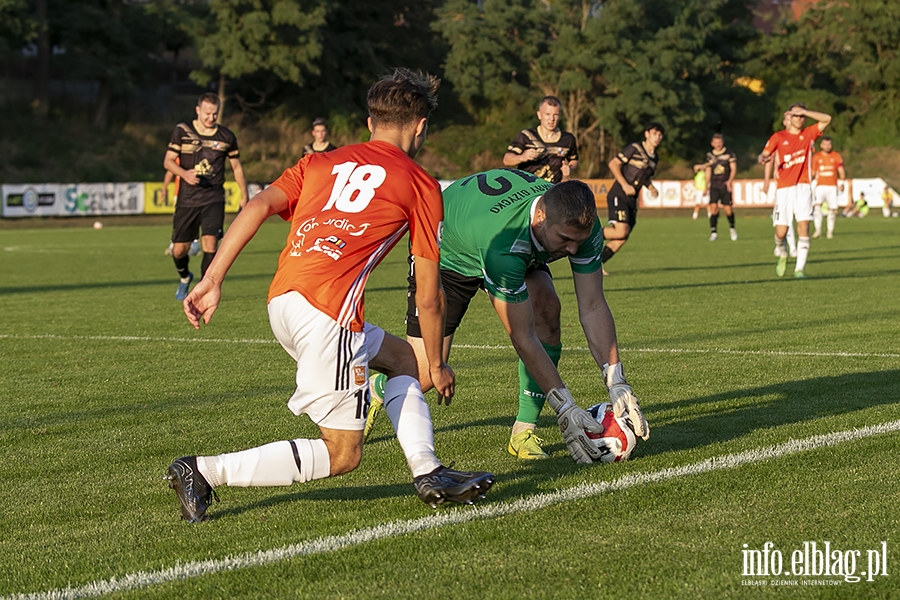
{"x":754,"y":409}
{"x":767,"y":407}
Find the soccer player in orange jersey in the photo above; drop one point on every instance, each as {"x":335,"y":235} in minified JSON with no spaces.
{"x":347,"y":209}
{"x":793,"y":196}
{"x":828,"y":175}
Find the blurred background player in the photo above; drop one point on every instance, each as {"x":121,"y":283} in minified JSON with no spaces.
{"x":828,"y":178}
{"x":632,"y":169}
{"x":887,"y":202}
{"x":860,"y":208}
{"x":721,"y":167}
{"x":505,"y":252}
{"x":545,"y":150}
{"x":320,"y":141}
{"x":197,"y":154}
{"x":768,"y":169}
{"x":348,"y":209}
{"x":701,"y":195}
{"x":793,"y":194}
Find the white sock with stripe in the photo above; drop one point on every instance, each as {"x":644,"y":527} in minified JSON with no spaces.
{"x":802,"y":253}
{"x":278,"y":463}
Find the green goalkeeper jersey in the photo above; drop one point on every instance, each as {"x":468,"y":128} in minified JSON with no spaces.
{"x":487,"y":232}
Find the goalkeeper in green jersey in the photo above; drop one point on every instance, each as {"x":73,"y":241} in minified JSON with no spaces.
{"x":501,"y":228}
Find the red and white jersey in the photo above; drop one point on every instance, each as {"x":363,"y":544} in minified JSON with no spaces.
{"x":794,"y":152}
{"x":348,"y":208}
{"x":825,"y":166}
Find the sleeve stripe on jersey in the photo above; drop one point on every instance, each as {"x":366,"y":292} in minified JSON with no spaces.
{"x":348,"y":309}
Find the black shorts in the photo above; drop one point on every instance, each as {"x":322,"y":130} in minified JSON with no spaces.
{"x":719,"y":195}
{"x":622,"y":207}
{"x":458,"y":292}
{"x":189,"y":220}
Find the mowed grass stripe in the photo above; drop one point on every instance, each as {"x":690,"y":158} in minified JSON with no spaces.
{"x":132,"y":338}
{"x":452,"y":517}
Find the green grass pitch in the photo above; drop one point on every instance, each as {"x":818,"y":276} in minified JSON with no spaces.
{"x":104,"y":383}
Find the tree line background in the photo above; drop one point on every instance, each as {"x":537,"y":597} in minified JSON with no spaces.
{"x":90,"y":89}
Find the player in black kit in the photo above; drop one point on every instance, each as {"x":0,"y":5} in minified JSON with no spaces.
{"x":545,"y":150}
{"x":197,"y":153}
{"x":721,"y":167}
{"x":632,"y":169}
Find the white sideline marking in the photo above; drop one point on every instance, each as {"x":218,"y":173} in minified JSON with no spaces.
{"x":181,"y":571}
{"x":134,"y":338}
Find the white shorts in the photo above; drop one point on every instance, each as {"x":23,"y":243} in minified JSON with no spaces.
{"x":701,"y":197}
{"x":793,"y":202}
{"x":332,"y":362}
{"x":827,"y":195}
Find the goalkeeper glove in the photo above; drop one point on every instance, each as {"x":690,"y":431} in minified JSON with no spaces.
{"x":573,"y":421}
{"x":623,"y":399}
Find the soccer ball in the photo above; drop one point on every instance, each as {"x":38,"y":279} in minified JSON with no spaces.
{"x":617,"y":440}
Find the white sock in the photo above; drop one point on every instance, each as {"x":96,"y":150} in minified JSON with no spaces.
{"x":817,"y":217}
{"x":831,"y":219}
{"x":278,"y":463}
{"x":802,"y":253}
{"x":779,"y":244}
{"x":405,"y":406}
{"x":519,"y":427}
{"x":792,"y":244}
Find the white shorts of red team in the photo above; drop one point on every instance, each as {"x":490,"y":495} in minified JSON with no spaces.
{"x":700,"y":197}
{"x":827,"y":195}
{"x":332,"y":362}
{"x":793,"y":202}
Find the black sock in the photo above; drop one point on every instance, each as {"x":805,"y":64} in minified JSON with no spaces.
{"x":713,"y":221}
{"x":730,"y":220}
{"x":606,"y":254}
{"x":181,"y":265}
{"x":207,"y":258}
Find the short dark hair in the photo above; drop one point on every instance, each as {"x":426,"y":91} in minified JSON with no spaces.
{"x":402,"y":97}
{"x":826,"y":138}
{"x":551,"y":100}
{"x":320,"y":121}
{"x":570,"y":203}
{"x":718,"y":136}
{"x":655,"y":126}
{"x":209,"y":97}
{"x":796,"y":104}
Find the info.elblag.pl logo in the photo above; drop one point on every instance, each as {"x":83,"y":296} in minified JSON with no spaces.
{"x":813,"y":563}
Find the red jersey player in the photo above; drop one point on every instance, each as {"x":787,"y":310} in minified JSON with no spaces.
{"x":793,"y":195}
{"x":347,"y":209}
{"x":828,"y":172}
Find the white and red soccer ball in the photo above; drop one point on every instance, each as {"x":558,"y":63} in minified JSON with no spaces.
{"x":617,"y":441}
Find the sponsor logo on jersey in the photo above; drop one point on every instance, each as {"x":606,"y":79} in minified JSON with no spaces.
{"x":330,"y":246}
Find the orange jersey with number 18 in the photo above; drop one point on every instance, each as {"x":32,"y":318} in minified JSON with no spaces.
{"x":825,"y":165}
{"x":347,"y":209}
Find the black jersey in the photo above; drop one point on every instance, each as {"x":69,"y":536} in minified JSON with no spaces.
{"x":206,"y":155}
{"x":548,"y":164}
{"x":637,"y":165}
{"x":721,"y":167}
{"x":308,"y":149}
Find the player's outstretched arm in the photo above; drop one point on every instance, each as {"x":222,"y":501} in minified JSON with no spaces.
{"x":203,"y":300}
{"x":615,"y":167}
{"x":518,"y":319}
{"x":573,"y":422}
{"x":430,"y":304}
{"x":600,"y":331}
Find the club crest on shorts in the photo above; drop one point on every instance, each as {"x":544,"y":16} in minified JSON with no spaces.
{"x":359,"y":375}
